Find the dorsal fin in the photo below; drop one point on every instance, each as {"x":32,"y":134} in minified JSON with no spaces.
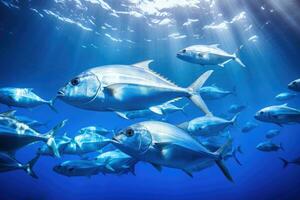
{"x":29,"y":89}
{"x":285,"y":104}
{"x":10,"y":113}
{"x":143,"y":64}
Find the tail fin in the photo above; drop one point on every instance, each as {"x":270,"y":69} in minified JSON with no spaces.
{"x":183,"y":107}
{"x":285,"y":162}
{"x":51,"y":140}
{"x":220,"y":153}
{"x":51,"y":105}
{"x":194,"y":90}
{"x":235,"y":157}
{"x":233,"y":120}
{"x":239,"y":149}
{"x":28,"y":167}
{"x":238,"y":60}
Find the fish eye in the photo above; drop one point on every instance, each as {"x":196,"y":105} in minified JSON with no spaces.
{"x":129,"y":132}
{"x":75,"y":81}
{"x":71,"y":169}
{"x":261,"y":112}
{"x":294,"y":83}
{"x":184,"y":50}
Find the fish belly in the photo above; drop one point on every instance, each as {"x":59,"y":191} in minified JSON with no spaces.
{"x":138,"y":97}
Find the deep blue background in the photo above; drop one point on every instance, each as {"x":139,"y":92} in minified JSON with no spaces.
{"x":44,"y":54}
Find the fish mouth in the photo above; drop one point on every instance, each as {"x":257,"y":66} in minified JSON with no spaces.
{"x":60,"y":93}
{"x":115,"y":140}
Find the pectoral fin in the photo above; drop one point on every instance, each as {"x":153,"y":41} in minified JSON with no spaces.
{"x":156,"y":166}
{"x":157,"y":110}
{"x":188,"y":173}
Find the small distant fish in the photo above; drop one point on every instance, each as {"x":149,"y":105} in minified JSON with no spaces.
{"x":30,"y":122}
{"x":78,"y":168}
{"x":95,"y":129}
{"x":213,"y":92}
{"x":207,"y":55}
{"x":281,"y":114}
{"x":207,"y":125}
{"x":234,"y":108}
{"x":127,"y":88}
{"x":272,"y":133}
{"x":90,"y":142}
{"x":215,"y":142}
{"x":295,"y":161}
{"x":285,"y":96}
{"x":155,"y":111}
{"x":294,"y":85}
{"x":163,"y":144}
{"x":249,"y":126}
{"x":269,"y":146}
{"x":8,"y":163}
{"x":117,"y":162}
{"x":22,"y":97}
{"x":19,"y":134}
{"x":111,"y":162}
{"x":62,"y":142}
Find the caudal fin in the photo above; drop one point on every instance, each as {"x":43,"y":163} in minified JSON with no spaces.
{"x":194,"y":91}
{"x":182,"y":109}
{"x":235,"y":157}
{"x":285,"y":162}
{"x":236,"y":59}
{"x":28,"y":167}
{"x":51,"y":105}
{"x":220,"y":153}
{"x":234,"y":119}
{"x":51,"y":140}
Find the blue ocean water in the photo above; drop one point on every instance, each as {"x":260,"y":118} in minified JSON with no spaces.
{"x":45,"y":44}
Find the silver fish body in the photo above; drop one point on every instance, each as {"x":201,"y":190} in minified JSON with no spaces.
{"x":213,"y":92}
{"x":163,"y":144}
{"x":22,"y":97}
{"x":207,"y":55}
{"x":207,"y":125}
{"x":126,"y":88}
{"x":281,"y":114}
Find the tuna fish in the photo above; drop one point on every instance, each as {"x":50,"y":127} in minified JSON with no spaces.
{"x":234,"y":108}
{"x":30,"y":122}
{"x":19,"y":134}
{"x":79,"y":168}
{"x":163,"y":144}
{"x":80,"y":145}
{"x":285,"y":96}
{"x":213,"y":92}
{"x":272,"y":133}
{"x":8,"y":163}
{"x":207,"y":125}
{"x":294,"y":85}
{"x":207,"y":55}
{"x":111,"y":162}
{"x":61,"y":142}
{"x":280,"y":115}
{"x":249,"y":126}
{"x":155,"y":111}
{"x":295,"y":161}
{"x":117,"y":162}
{"x":269,"y":146}
{"x":22,"y":97}
{"x":126,"y":88}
